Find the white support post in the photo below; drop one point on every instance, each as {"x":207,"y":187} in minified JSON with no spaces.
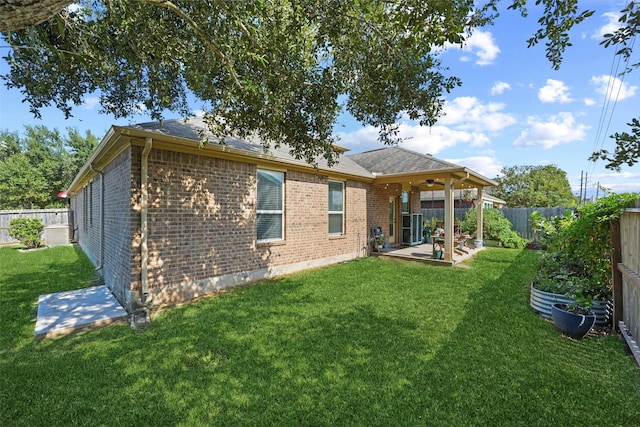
{"x":448,"y":219}
{"x":479,"y":230}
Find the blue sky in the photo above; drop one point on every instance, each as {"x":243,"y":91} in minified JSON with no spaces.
{"x":513,"y":108}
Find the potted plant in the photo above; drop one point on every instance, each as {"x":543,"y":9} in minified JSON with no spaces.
{"x":573,"y":320}
{"x":437,"y":251}
{"x":381,"y":241}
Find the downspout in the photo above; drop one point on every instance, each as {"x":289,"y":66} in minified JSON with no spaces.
{"x":100,"y":267}
{"x":144,"y":197}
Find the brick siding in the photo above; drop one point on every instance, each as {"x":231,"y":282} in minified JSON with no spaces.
{"x":202,"y":225}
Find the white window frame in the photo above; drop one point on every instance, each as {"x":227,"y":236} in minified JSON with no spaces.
{"x":271,"y":211}
{"x":340,"y":212}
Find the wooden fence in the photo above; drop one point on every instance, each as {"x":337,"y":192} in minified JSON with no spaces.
{"x":50,"y":218}
{"x":626,"y":280}
{"x":519,"y":217}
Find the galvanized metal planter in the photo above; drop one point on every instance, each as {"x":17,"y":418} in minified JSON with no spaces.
{"x":542,"y":301}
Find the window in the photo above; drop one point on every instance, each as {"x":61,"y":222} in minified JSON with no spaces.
{"x":336,"y":207}
{"x":91,"y":204}
{"x":270,"y":210}
{"x":405,"y":202}
{"x":85,"y":208}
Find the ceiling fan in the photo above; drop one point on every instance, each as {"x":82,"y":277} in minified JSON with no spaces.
{"x":430,"y":182}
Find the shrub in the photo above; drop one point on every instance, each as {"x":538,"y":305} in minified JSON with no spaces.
{"x":579,"y":259}
{"x":495,"y":227}
{"x":27,"y":231}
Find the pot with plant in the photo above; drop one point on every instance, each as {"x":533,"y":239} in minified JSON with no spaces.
{"x":437,"y":251}
{"x":573,"y":320}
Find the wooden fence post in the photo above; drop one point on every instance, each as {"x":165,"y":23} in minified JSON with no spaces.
{"x":616,"y":258}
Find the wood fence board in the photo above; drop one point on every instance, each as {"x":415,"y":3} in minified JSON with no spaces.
{"x":630,"y":269}
{"x":50,"y":217}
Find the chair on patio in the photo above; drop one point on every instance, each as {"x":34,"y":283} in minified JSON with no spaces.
{"x":378,"y":242}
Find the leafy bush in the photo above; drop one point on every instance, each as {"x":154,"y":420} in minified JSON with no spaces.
{"x":579,"y":260}
{"x":546,"y":230}
{"x":495,"y":227}
{"x":27,"y":231}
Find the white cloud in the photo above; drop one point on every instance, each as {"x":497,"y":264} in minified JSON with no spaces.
{"x":421,"y":139}
{"x":483,"y":45}
{"x":560,"y":129}
{"x":589,"y":102}
{"x":74,"y":7}
{"x":613,"y":87}
{"x":485,"y":165}
{"x":437,"y":138}
{"x":90,"y":102}
{"x":466,"y":121}
{"x":621,"y":187}
{"x":480,"y":45}
{"x":617,"y":176}
{"x":468,"y":112}
{"x":499,"y":88}
{"x":610,"y":27}
{"x":554,"y":91}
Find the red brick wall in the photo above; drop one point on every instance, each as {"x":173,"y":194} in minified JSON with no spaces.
{"x":202,"y":225}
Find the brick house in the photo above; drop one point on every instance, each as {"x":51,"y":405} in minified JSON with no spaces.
{"x":166,"y":221}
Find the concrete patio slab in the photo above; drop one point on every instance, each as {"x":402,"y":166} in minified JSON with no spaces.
{"x":67,"y":312}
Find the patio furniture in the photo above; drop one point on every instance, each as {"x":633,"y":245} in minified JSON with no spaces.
{"x":378,"y":242}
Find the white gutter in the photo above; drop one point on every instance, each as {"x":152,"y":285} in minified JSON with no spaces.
{"x":100,"y":267}
{"x":144,"y":196}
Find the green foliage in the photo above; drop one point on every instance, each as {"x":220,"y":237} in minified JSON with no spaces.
{"x":381,"y":58}
{"x":627,"y":149}
{"x":534,"y":186}
{"x":494,"y":227}
{"x":280,"y":70}
{"x":36,"y":166}
{"x":579,"y":259}
{"x":546,"y":230}
{"x":27,"y":230}
{"x":276,"y":69}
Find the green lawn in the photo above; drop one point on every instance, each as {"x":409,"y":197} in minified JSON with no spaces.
{"x":369,"y":342}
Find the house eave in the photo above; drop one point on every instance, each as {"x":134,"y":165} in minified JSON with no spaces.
{"x":110,"y":147}
{"x":462,"y":178}
{"x":224,"y":151}
{"x":119,"y":138}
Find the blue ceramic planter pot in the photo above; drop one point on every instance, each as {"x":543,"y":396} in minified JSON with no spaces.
{"x":571,"y":324}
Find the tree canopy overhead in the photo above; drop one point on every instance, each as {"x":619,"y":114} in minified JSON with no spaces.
{"x":281,"y":69}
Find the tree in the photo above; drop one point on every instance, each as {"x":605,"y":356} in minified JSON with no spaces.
{"x":280,"y":70}
{"x":534,"y":186}
{"x":277,"y":69}
{"x":34,"y":168}
{"x":627,"y":149}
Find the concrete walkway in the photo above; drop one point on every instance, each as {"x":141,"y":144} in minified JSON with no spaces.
{"x":67,"y":312}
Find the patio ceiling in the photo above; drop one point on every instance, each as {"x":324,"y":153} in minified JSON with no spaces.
{"x":461,"y":177}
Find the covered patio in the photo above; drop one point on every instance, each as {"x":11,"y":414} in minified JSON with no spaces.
{"x":401,"y":176}
{"x":424,"y":253}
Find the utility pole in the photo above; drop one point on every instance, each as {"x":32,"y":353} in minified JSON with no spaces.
{"x":586,"y":177}
{"x":581,"y":179}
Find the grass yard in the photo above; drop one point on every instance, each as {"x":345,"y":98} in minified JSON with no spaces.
{"x":369,"y":342}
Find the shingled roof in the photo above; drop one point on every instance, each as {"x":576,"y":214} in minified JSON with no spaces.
{"x":391,"y":160}
{"x":195,"y":128}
